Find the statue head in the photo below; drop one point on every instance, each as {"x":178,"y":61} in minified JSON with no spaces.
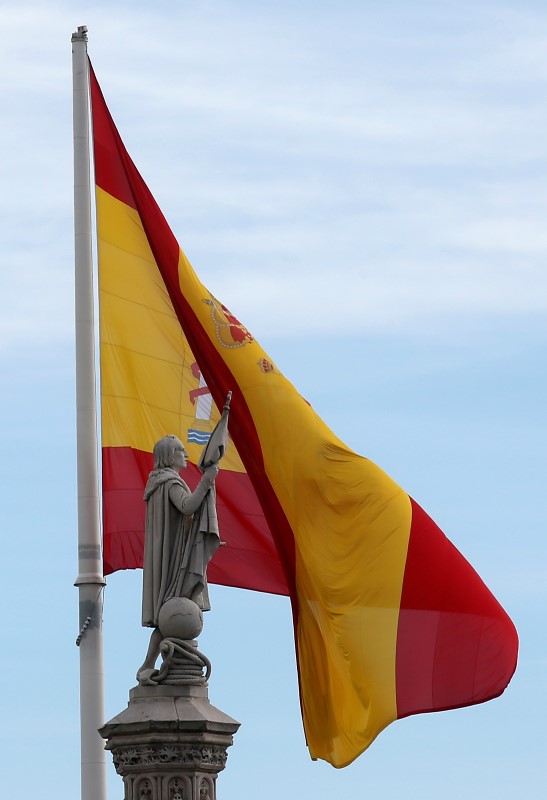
{"x":169,"y":452}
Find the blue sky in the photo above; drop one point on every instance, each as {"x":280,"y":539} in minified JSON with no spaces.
{"x":363,"y":184}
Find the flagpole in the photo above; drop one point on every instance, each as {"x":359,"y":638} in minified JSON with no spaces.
{"x":90,"y":580}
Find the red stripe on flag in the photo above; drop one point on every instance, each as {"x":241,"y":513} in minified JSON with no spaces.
{"x":455,"y":643}
{"x":110,"y":173}
{"x":248,"y":561}
{"x":116,"y":173}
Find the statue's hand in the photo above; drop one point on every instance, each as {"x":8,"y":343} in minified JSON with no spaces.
{"x":211,"y":472}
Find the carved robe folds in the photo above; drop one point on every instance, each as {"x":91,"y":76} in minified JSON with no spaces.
{"x":181,"y":538}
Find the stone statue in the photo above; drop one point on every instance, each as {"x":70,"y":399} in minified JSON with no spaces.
{"x":181,"y":538}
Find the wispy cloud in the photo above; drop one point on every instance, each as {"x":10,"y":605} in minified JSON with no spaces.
{"x":351,"y":171}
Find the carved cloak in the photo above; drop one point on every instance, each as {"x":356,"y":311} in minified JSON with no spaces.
{"x":181,"y":538}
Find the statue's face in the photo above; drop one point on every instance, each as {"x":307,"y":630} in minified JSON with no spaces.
{"x":179,"y":456}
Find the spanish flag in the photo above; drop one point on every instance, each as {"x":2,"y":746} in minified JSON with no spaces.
{"x":389,"y":618}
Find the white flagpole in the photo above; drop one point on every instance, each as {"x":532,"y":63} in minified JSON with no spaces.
{"x":90,"y":579}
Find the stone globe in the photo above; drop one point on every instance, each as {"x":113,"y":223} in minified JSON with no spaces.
{"x":180,"y":618}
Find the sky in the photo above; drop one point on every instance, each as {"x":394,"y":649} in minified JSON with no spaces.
{"x":363,"y":185}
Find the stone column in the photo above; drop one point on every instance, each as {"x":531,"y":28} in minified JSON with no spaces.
{"x":170,"y":743}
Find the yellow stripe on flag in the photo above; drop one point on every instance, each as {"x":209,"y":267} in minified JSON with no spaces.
{"x":348,"y":606}
{"x":146,"y":363}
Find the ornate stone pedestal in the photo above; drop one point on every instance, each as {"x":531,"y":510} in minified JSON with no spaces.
{"x":170,"y":743}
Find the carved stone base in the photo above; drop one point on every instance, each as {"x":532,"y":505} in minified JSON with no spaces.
{"x":170,"y":743}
